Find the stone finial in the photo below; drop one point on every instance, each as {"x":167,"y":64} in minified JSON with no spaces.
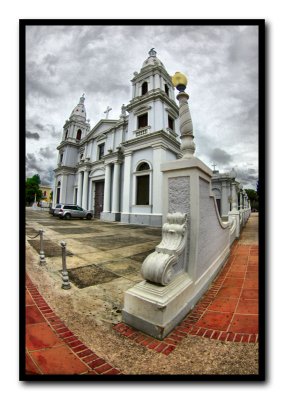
{"x":82,"y":99}
{"x":152,"y":52}
{"x":233,"y":173}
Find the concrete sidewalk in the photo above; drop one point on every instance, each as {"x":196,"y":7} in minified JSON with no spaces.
{"x":79,"y":331}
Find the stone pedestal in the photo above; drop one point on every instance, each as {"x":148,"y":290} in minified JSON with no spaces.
{"x":157,"y":307}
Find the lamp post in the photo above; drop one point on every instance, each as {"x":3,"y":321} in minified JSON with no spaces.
{"x":186,"y":129}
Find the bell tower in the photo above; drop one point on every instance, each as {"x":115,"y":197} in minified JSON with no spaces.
{"x":152,"y":107}
{"x":76,"y":127}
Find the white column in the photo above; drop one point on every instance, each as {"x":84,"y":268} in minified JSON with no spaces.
{"x":127,"y":183}
{"x":241,"y":200}
{"x":223,"y":198}
{"x":234,"y":197}
{"x":115,"y":188}
{"x":157,"y":199}
{"x":85,"y":190}
{"x":79,"y":194}
{"x":107,"y":188}
{"x":63,"y":188}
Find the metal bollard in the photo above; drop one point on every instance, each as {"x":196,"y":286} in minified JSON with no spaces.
{"x":65,"y":277}
{"x":42,"y":260}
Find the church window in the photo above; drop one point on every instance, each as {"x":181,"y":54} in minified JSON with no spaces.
{"x":66,"y":134}
{"x":101,"y":148}
{"x":166,"y":89}
{"x":142,"y":190}
{"x":143,"y":166}
{"x":144,"y":88}
{"x":79,"y":134}
{"x":142,"y":120}
{"x":61,"y":157}
{"x":170,"y":123}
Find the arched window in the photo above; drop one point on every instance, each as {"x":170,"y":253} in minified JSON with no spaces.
{"x":143,"y":166}
{"x":66,"y":134}
{"x":143,"y":184}
{"x":144,"y":88}
{"x":79,"y":133}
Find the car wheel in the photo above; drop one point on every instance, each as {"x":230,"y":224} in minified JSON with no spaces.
{"x":67,"y":216}
{"x":89,"y":216}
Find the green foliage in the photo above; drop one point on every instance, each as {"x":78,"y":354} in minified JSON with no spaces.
{"x":253,"y":197}
{"x":32,"y":189}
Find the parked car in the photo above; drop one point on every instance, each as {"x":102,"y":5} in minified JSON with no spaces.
{"x":54,"y":211}
{"x":68,"y":211}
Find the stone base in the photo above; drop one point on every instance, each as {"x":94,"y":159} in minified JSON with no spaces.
{"x":142,"y":219}
{"x":110,"y":216}
{"x":155,"y":309}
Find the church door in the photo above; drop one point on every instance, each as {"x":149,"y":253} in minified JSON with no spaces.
{"x":99,"y":199}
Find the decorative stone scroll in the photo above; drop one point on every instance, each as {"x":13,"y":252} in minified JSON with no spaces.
{"x":168,"y":260}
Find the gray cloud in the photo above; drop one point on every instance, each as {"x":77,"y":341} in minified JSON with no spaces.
{"x":47,"y":152}
{"x":32,"y":163}
{"x":32,"y":135}
{"x":220,"y":61}
{"x":220,"y":156}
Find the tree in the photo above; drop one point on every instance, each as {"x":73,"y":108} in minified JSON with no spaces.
{"x":32,"y":189}
{"x":253,"y":198}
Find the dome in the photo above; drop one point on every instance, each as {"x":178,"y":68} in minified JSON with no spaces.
{"x":79,"y":110}
{"x":152,"y":60}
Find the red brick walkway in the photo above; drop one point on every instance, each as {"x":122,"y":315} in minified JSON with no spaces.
{"x":51,"y":348}
{"x":228,"y":311}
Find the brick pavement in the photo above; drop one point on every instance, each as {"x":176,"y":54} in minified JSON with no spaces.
{"x":51,"y":348}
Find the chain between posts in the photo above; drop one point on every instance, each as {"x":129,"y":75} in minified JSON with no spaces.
{"x":42,"y":260}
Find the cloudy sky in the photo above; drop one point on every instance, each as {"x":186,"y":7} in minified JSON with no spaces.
{"x":221,"y":62}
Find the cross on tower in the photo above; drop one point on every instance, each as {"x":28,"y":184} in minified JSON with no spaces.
{"x":214,"y":165}
{"x":107,"y":111}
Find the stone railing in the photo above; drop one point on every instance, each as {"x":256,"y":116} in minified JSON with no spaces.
{"x":142,"y":131}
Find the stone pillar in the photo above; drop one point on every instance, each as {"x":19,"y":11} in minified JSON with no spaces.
{"x":186,"y":128}
{"x":79,"y":194}
{"x":107,"y":190}
{"x":115,"y":188}
{"x":241,"y":200}
{"x":157,"y":199}
{"x":224,"y":198}
{"x":234,"y":197}
{"x":126,"y":188}
{"x":63,"y":189}
{"x":85,"y":190}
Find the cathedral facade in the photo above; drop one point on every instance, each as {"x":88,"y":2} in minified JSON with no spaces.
{"x":114,"y":168}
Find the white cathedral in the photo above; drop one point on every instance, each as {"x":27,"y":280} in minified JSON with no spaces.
{"x":114,"y":168}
